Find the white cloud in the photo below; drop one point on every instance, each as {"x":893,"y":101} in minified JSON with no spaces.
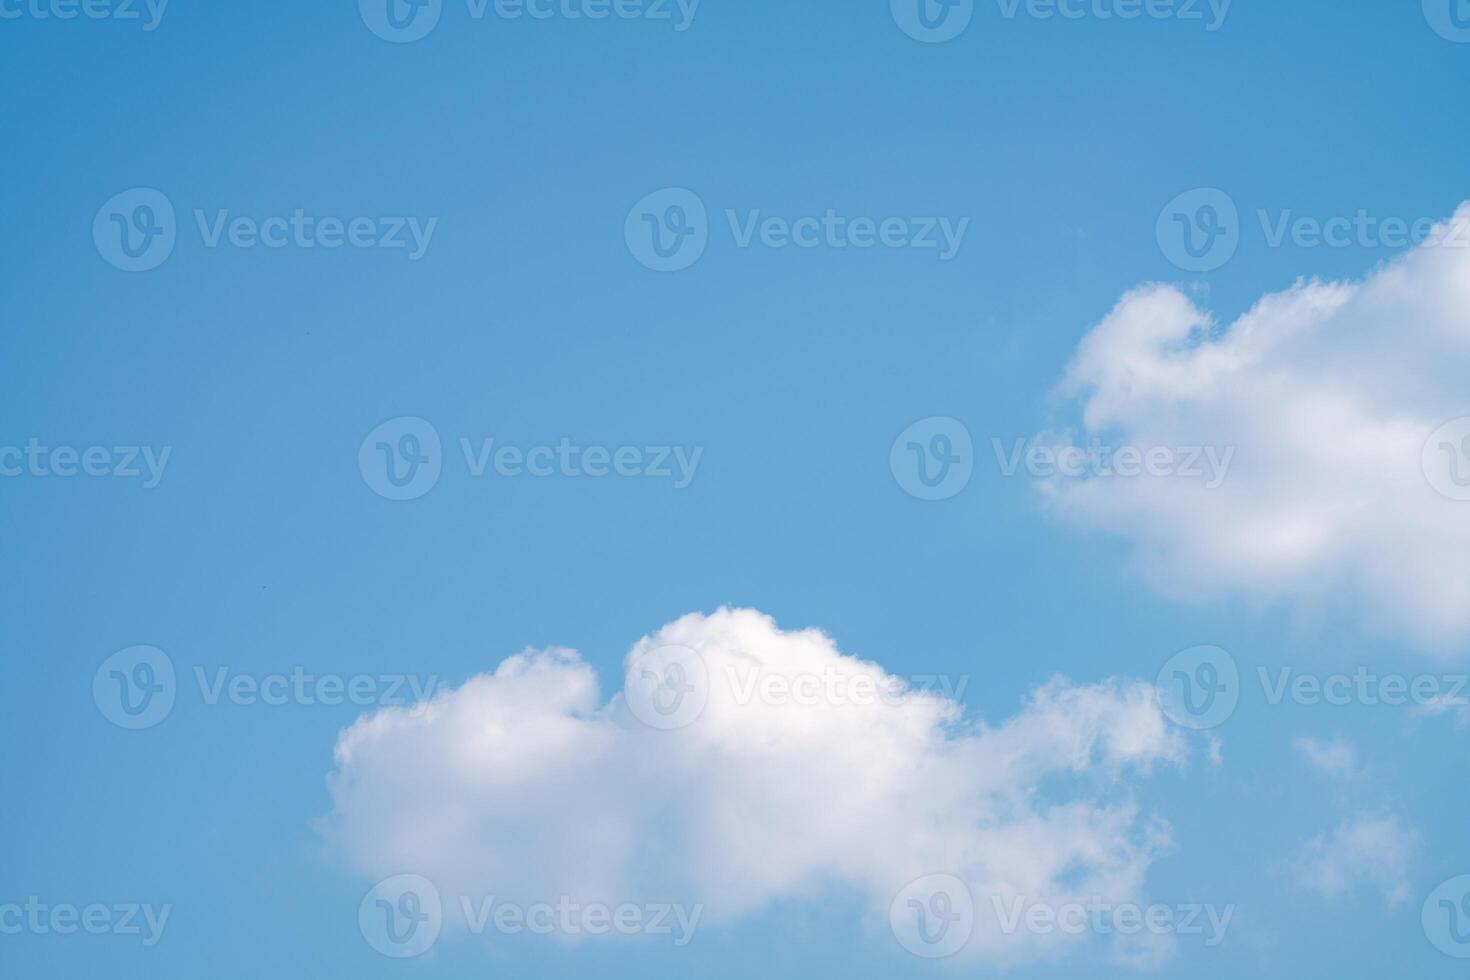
{"x":1452,"y":704}
{"x":1366,"y":849}
{"x":1329,"y":393}
{"x":1336,"y":757}
{"x":522,"y":784}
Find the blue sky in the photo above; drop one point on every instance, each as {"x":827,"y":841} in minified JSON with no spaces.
{"x":524,"y":151}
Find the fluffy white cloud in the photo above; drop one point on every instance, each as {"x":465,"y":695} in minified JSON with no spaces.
{"x":524,"y":785}
{"x":1329,"y":393}
{"x":1366,"y":849}
{"x":1336,"y":757}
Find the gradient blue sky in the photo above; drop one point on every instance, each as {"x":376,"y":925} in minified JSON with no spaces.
{"x":528,"y":321}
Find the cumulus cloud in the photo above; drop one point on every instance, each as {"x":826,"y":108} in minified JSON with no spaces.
{"x":1332,"y":757}
{"x":1328,"y":393}
{"x":1366,"y":850}
{"x":803,"y":773}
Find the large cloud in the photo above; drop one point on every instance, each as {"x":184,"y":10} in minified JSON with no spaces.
{"x":523,"y":784}
{"x":1329,"y":394}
